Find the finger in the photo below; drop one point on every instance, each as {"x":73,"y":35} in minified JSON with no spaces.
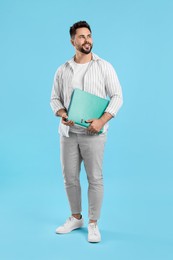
{"x":91,"y":129}
{"x":92,"y":132}
{"x":63,"y":121}
{"x":89,"y":121}
{"x":65,"y":118}
{"x":64,"y":115}
{"x":70,"y":123}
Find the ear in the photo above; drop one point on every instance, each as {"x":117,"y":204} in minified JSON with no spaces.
{"x":72,"y":42}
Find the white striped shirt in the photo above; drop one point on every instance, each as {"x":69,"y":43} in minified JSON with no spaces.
{"x":100,"y":79}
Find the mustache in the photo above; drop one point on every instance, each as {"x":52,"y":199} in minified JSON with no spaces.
{"x":86,"y":43}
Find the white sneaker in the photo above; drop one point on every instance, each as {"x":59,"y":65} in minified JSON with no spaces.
{"x":93,"y":233}
{"x":70,"y":224}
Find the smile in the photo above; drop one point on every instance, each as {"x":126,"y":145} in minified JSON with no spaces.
{"x":87,"y":45}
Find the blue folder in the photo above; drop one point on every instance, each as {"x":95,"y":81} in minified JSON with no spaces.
{"x":84,"y":106}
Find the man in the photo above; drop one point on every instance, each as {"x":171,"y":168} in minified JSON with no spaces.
{"x":90,"y":73}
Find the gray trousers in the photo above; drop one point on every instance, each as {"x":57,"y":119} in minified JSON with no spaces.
{"x":90,"y":150}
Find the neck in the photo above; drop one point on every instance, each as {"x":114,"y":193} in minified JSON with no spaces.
{"x":82,"y":57}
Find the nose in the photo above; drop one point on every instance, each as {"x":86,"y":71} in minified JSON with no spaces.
{"x":87,"y":41}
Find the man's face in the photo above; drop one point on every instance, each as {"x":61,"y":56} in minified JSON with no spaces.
{"x":82,"y":40}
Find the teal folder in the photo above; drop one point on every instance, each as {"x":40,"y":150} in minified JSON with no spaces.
{"x":84,"y":106}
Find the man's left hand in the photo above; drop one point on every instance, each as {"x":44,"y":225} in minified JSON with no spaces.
{"x":95,"y":125}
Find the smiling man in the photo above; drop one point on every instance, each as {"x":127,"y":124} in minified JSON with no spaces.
{"x":90,"y":73}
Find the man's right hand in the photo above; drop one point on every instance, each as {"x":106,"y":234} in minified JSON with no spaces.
{"x":63,"y":114}
{"x":65,"y":120}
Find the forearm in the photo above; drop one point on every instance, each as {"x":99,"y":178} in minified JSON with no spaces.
{"x":114,"y":105}
{"x":105,"y":117}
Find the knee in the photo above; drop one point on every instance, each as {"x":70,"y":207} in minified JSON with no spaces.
{"x":95,"y":181}
{"x":71,"y":181}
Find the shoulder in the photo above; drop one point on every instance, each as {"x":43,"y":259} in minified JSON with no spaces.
{"x":106,"y":65}
{"x":60,"y":70}
{"x":102,"y":62}
{"x":106,"y":68}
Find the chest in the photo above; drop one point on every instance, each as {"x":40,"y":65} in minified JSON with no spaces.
{"x":90,"y":79}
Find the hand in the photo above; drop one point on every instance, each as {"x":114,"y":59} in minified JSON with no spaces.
{"x":95,"y":125}
{"x":64,"y":120}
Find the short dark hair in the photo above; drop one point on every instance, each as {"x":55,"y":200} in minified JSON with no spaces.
{"x":77,"y":25}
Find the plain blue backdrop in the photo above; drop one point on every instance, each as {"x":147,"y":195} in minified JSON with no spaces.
{"x":136,"y":223}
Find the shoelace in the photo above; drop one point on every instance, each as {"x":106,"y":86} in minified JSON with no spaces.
{"x":93,"y":229}
{"x":68,"y":221}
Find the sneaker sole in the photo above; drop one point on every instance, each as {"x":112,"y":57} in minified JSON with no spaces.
{"x":93,"y":241}
{"x":62,"y":232}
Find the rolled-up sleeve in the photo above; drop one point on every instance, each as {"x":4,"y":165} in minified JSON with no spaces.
{"x":56,"y":101}
{"x":114,"y":91}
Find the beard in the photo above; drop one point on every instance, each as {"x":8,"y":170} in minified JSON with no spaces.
{"x":85,"y":50}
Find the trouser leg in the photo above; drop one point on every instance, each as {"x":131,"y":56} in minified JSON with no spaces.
{"x":92,"y":150}
{"x":71,"y":162}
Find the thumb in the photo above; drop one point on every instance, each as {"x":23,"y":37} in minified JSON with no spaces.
{"x":64,"y":115}
{"x":89,"y":121}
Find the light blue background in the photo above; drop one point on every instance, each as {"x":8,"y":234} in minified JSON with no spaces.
{"x":136,"y":37}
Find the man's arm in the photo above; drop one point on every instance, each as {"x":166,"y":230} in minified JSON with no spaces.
{"x":113,"y":89}
{"x":56,"y":101}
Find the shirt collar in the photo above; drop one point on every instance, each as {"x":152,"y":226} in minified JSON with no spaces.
{"x":94,"y":58}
